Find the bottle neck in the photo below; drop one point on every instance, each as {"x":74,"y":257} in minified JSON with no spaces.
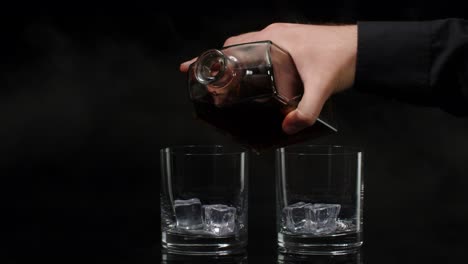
{"x":214,"y":68}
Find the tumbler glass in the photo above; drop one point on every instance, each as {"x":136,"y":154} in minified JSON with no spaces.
{"x":204,"y":194}
{"x":319,"y":199}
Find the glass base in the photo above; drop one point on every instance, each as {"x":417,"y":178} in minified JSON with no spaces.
{"x":337,"y":244}
{"x":353,"y":258}
{"x":187,"y":244}
{"x":168,"y":258}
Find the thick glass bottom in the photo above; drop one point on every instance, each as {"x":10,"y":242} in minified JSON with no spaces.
{"x":202,"y":245}
{"x":337,"y":244}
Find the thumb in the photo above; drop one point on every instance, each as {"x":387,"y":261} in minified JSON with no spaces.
{"x":308,"y":109}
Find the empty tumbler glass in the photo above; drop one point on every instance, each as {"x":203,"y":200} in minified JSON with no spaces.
{"x":204,"y":199}
{"x":319,"y":199}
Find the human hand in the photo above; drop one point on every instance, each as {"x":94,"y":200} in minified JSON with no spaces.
{"x":325,"y":57}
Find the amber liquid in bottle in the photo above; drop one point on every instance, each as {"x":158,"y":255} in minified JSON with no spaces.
{"x":256,"y":123}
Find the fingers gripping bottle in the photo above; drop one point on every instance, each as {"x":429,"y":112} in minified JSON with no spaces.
{"x":246,"y":90}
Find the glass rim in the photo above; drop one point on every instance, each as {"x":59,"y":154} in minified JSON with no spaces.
{"x":205,"y":150}
{"x":313,"y":150}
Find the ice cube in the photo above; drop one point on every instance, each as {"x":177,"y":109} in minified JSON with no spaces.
{"x":294,"y":217}
{"x":188,"y":214}
{"x":343,"y":225}
{"x":220,"y":219}
{"x":322,"y":218}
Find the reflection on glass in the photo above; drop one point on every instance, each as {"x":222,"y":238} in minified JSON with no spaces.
{"x":354,"y":258}
{"x":167,"y":258}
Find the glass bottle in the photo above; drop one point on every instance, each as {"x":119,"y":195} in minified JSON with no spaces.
{"x":246,"y":90}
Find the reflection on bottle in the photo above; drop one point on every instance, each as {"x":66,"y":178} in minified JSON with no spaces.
{"x":167,"y":258}
{"x":353,"y":258}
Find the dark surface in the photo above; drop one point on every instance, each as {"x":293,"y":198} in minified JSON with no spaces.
{"x":90,"y":93}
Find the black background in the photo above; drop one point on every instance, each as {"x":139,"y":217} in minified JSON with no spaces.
{"x":89,"y":93}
